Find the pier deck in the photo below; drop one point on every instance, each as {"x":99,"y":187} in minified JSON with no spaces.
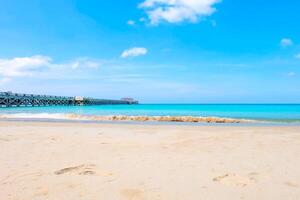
{"x":9,"y":99}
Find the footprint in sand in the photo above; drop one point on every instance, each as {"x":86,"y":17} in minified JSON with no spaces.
{"x":133,"y":194}
{"x":232,"y":179}
{"x":77,"y":170}
{"x":291,"y":184}
{"x":3,"y":139}
{"x":41,"y":192}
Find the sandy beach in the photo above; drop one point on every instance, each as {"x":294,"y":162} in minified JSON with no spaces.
{"x":71,"y":161}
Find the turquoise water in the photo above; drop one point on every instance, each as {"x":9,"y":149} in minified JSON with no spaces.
{"x":270,"y":112}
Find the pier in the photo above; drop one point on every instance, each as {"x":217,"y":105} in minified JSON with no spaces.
{"x":9,"y":99}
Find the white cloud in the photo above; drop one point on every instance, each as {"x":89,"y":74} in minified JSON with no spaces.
{"x":83,"y":63}
{"x":291,"y":74}
{"x":285,"y":42}
{"x":134,"y":52}
{"x":142,"y":19}
{"x":175,"y":11}
{"x":22,"y":66}
{"x":297,"y":56}
{"x":131,"y":22}
{"x":29,"y":66}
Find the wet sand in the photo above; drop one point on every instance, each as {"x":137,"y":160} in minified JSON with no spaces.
{"x":40,"y":160}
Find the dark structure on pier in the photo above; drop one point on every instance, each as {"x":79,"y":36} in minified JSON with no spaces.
{"x":9,"y":99}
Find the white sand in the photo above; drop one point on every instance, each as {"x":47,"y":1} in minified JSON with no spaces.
{"x":68,"y":161}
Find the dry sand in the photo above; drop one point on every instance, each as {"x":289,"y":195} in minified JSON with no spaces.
{"x":70,"y":161}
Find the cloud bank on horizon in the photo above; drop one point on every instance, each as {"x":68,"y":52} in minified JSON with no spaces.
{"x":30,"y":66}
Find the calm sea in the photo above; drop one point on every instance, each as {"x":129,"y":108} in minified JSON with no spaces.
{"x":266,"y":112}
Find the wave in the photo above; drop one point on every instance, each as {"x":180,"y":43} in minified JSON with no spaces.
{"x":67,"y":116}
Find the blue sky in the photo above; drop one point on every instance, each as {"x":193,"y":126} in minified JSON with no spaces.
{"x":160,"y":51}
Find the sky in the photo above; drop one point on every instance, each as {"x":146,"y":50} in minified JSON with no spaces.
{"x":157,"y":51}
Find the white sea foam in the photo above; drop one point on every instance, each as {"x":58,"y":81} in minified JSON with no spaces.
{"x":70,"y":116}
{"x":34,"y":116}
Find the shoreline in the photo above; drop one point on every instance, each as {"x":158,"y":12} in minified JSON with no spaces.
{"x":72,"y":116}
{"x":151,"y":123}
{"x":152,"y":120}
{"x":138,"y":118}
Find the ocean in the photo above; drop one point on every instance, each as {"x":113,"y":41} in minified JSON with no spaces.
{"x":260,"y":112}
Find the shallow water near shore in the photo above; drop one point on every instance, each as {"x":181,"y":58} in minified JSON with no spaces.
{"x":279,"y":113}
{"x":154,"y":123}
